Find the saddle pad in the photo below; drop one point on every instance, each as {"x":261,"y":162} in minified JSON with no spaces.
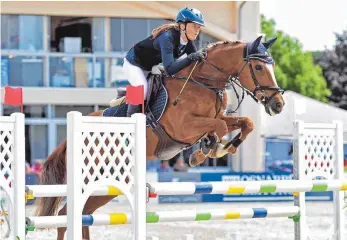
{"x":157,"y":107}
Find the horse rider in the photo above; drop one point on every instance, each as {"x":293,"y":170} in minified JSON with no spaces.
{"x":167,"y":44}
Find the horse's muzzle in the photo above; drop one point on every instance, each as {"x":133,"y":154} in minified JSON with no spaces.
{"x":275,"y":106}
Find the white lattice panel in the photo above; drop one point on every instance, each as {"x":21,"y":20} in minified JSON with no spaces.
{"x":319,"y":155}
{"x":6,"y":158}
{"x":107,"y":156}
{"x":12,"y":170}
{"x":105,"y":151}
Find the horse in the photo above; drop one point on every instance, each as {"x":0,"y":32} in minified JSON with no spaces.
{"x":197,"y":114}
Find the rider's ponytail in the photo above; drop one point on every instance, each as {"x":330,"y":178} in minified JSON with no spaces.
{"x":163,"y":28}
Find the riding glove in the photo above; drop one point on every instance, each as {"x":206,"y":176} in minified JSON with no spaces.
{"x":196,"y":56}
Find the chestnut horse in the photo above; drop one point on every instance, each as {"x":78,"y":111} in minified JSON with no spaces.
{"x":199,"y":111}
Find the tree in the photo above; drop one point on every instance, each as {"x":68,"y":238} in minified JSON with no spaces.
{"x":295,"y":69}
{"x":316,"y":55}
{"x":334,"y":65}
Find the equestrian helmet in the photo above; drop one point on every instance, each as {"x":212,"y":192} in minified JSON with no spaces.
{"x":190,"y":15}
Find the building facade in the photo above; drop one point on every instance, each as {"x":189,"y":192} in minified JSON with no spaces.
{"x":68,"y":55}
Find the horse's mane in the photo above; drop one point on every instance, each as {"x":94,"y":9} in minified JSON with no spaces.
{"x":214,"y":44}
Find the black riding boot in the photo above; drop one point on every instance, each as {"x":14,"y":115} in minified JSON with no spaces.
{"x":133,"y":109}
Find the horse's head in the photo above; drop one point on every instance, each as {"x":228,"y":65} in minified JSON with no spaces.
{"x":253,"y":66}
{"x":259,"y":76}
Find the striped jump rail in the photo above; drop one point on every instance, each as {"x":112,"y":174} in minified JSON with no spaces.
{"x":188,"y":188}
{"x":272,"y":186}
{"x":36,"y":191}
{"x":167,"y":216}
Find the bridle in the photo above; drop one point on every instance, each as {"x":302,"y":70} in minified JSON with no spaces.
{"x":231,"y":80}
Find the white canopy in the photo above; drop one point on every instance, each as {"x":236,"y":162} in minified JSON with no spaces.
{"x":299,"y":107}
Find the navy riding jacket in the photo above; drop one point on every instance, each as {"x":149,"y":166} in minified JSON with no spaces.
{"x":165,"y":48}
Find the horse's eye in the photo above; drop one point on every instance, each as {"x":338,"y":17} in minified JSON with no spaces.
{"x":258,"y":67}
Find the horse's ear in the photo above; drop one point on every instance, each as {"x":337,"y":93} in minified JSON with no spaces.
{"x":269,"y":42}
{"x":254,"y":45}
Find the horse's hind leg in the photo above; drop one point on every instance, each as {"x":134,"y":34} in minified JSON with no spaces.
{"x":61,"y":231}
{"x":91,"y":205}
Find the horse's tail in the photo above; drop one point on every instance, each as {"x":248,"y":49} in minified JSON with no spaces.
{"x":53,"y":172}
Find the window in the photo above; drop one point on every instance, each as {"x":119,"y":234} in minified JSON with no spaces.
{"x":98,"y":32}
{"x":206,"y":39}
{"x":77,"y":34}
{"x":22,"y":71}
{"x":5,"y":71}
{"x":154,"y":23}
{"x":36,"y":145}
{"x":61,"y":72}
{"x":30,"y":111}
{"x":125,"y":33}
{"x":118,"y":78}
{"x":99,"y":72}
{"x":203,"y":40}
{"x":61,"y":133}
{"x":116,"y":34}
{"x":109,"y":72}
{"x":135,"y":30}
{"x":22,"y":32}
{"x":61,"y":111}
{"x":71,"y":72}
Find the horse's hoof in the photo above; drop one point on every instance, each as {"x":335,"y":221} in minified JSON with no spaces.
{"x":191,"y":162}
{"x":196,"y":158}
{"x":219,"y":151}
{"x":232,"y":149}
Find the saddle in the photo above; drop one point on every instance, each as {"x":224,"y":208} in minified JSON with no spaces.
{"x":155,"y":104}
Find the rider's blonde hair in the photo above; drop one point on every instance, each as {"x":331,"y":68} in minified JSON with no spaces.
{"x":164,"y":28}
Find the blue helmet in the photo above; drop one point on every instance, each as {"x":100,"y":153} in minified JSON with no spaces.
{"x":190,"y":15}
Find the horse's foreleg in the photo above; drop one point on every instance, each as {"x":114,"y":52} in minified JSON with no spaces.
{"x":209,"y":125}
{"x":216,"y":128}
{"x":245,"y":124}
{"x":219,"y":150}
{"x":233,"y":123}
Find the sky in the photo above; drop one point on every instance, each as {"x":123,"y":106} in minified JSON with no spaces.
{"x":312,"y":22}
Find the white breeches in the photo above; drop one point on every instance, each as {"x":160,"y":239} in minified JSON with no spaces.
{"x":135,"y":75}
